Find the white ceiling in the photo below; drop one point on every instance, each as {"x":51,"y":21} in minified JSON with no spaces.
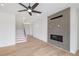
{"x":46,"y":8}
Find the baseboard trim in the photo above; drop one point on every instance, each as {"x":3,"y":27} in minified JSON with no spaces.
{"x":7,"y":45}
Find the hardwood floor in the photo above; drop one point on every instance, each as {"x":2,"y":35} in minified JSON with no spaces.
{"x":33,"y":47}
{"x":77,"y":53}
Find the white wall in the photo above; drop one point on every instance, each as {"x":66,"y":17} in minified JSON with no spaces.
{"x":73,"y":30}
{"x":40,"y":28}
{"x":7,"y":29}
{"x":28,"y":29}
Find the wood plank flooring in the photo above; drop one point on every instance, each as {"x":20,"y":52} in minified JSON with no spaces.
{"x":33,"y":47}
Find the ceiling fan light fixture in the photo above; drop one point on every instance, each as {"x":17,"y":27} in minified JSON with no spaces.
{"x":29,"y":10}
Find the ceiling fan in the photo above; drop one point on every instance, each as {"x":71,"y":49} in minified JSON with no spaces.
{"x":30,"y":9}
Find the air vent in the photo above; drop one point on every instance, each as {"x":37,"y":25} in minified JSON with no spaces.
{"x":56,"y":17}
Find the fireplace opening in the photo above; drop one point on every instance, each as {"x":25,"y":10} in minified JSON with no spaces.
{"x":56,"y":37}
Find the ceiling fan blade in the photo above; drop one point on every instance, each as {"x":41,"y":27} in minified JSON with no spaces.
{"x":35,"y":5}
{"x":30,"y":13}
{"x":23,"y":5}
{"x":36,"y":11}
{"x":21,"y":10}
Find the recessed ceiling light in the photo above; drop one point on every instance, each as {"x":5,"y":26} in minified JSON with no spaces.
{"x":2,"y":4}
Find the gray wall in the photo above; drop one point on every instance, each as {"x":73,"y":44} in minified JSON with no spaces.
{"x":63,"y":30}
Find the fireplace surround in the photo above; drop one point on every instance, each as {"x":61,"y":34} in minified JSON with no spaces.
{"x":59,"y":29}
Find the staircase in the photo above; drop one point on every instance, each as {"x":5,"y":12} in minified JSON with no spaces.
{"x":20,"y":36}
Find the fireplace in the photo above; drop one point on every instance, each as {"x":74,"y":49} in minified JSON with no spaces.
{"x":59,"y":29}
{"x":56,"y":37}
